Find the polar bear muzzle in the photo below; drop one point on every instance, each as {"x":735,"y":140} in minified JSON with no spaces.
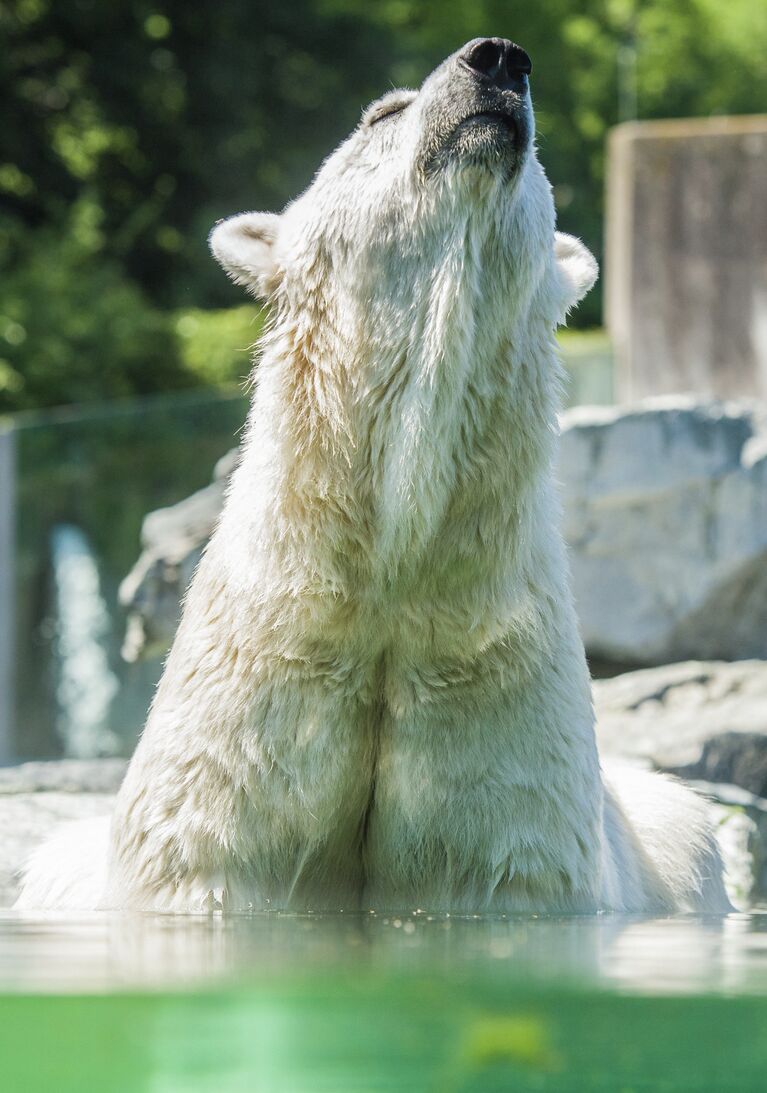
{"x":477,"y":108}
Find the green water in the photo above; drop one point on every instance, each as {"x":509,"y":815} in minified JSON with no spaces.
{"x":291,"y":1004}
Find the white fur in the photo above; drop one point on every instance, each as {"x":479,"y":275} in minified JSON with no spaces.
{"x":68,"y":872}
{"x":578,"y":271}
{"x":244,"y":246}
{"x":663,"y":852}
{"x":378,"y":696}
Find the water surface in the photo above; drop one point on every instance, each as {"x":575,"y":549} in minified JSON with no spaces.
{"x":303,"y":1004}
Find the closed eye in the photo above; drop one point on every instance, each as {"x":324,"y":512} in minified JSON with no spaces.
{"x":393,"y":103}
{"x":386,"y":114}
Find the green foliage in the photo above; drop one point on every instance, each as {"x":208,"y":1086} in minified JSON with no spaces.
{"x":138,"y":123}
{"x":170,"y":115}
{"x":588,"y":359}
{"x":73,"y":329}
{"x":215,"y":346}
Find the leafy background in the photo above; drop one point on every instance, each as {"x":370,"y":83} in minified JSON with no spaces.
{"x":131,"y":126}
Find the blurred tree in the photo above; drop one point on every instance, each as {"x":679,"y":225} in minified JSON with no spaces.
{"x":131,"y":126}
{"x":165,"y":116}
{"x":73,"y":329}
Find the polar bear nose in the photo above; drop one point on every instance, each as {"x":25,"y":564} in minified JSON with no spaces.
{"x":503,"y":63}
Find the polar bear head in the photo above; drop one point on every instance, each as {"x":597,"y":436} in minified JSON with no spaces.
{"x":435,"y":186}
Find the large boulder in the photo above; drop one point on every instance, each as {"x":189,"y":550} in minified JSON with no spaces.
{"x":172,"y":541}
{"x":665,"y":508}
{"x":701,"y":720}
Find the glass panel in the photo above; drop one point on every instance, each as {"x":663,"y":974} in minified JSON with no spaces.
{"x":85,"y":479}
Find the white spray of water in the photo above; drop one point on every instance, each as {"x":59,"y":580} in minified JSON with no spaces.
{"x":86,"y":685}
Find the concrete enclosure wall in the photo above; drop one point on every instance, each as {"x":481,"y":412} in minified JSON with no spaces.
{"x":686,"y":261}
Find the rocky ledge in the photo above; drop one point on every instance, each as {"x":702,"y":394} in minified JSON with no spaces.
{"x":705,"y":722}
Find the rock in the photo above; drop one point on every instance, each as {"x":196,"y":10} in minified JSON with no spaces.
{"x":36,"y":797}
{"x":706,"y":723}
{"x":173,"y":540}
{"x":64,"y":776}
{"x":665,"y":509}
{"x":737,"y":757}
{"x":703,"y":721}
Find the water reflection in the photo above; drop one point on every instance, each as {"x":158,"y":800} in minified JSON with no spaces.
{"x":682,"y":954}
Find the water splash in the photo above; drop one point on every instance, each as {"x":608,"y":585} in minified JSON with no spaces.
{"x":86,"y":684}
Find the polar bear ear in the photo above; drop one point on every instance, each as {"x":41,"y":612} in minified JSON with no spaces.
{"x":577,"y":268}
{"x":245,"y":246}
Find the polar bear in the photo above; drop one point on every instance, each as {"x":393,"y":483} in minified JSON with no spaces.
{"x":378,"y":696}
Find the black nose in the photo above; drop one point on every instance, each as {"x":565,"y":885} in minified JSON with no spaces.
{"x":500,"y":61}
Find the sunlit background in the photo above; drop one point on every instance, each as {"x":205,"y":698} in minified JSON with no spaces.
{"x":128,"y":128}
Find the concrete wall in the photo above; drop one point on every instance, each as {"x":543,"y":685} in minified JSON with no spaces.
{"x":7,"y":582}
{"x":686,"y":261}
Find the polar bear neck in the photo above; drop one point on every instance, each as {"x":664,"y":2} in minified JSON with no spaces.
{"x":380,"y":412}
